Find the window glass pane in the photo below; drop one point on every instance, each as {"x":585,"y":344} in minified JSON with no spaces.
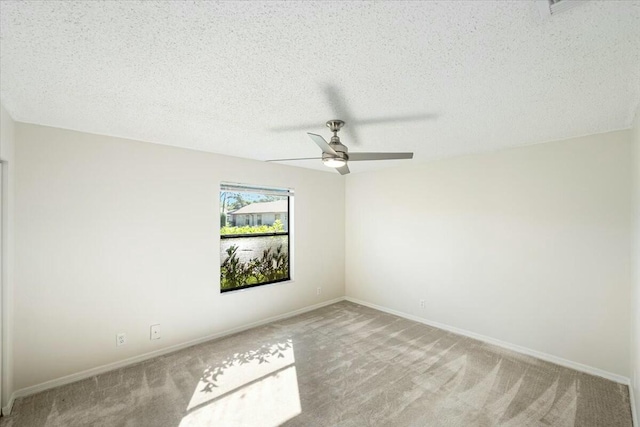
{"x":254,"y":237}
{"x":253,"y":260}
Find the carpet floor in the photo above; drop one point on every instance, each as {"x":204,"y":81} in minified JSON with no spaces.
{"x":340,"y":365}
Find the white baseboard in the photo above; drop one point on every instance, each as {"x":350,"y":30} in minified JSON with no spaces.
{"x":130,"y":361}
{"x":6,"y":410}
{"x":524,"y":350}
{"x":634,"y":409}
{"x":140,"y":358}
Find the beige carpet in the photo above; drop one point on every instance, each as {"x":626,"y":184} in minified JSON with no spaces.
{"x":341,"y":365}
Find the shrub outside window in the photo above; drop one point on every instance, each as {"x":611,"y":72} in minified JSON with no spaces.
{"x":254,"y":236}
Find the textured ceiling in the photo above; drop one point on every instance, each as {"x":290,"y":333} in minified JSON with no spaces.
{"x":248,"y":79}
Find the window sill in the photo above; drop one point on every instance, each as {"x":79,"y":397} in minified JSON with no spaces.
{"x":253,"y":288}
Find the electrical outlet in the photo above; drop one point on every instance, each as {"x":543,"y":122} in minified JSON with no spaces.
{"x":423,"y":303}
{"x":318,"y":291}
{"x":155,"y":332}
{"x":121,"y":339}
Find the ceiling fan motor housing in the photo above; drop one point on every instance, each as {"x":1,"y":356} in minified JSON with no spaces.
{"x":339,"y":155}
{"x":342,"y":152}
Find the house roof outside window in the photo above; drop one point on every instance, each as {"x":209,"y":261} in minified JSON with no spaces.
{"x":279,"y":206}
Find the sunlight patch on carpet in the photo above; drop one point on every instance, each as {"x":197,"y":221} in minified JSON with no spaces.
{"x":255,"y":388}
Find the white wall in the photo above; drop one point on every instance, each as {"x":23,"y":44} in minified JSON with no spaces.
{"x":114,"y":235}
{"x":635,"y":337}
{"x":528,"y":245}
{"x":7,"y":142}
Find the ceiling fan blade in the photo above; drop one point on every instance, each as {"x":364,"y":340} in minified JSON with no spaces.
{"x":343,"y":170}
{"x":395,"y":119}
{"x":356,"y":157}
{"x":359,"y":122}
{"x":289,"y":160}
{"x":324,"y":146}
{"x":304,"y":126}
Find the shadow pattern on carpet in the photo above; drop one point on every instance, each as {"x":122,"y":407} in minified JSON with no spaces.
{"x":341,"y":365}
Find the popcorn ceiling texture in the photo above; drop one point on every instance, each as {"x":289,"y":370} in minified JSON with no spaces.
{"x":228,"y":77}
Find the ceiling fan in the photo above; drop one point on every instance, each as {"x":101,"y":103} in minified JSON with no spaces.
{"x":336,"y":155}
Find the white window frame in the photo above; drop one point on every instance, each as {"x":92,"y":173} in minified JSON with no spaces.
{"x":288,"y":221}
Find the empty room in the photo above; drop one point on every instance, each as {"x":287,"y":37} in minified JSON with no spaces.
{"x":331,"y":213}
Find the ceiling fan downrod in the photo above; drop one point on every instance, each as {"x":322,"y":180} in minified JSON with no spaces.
{"x":335,"y":126}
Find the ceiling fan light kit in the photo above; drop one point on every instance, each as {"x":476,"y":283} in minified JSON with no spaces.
{"x":336,"y":155}
{"x":334,"y":162}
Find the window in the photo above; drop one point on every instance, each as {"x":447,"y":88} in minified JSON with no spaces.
{"x":256,"y":253}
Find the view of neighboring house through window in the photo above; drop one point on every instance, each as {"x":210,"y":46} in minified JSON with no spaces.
{"x":254,"y":236}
